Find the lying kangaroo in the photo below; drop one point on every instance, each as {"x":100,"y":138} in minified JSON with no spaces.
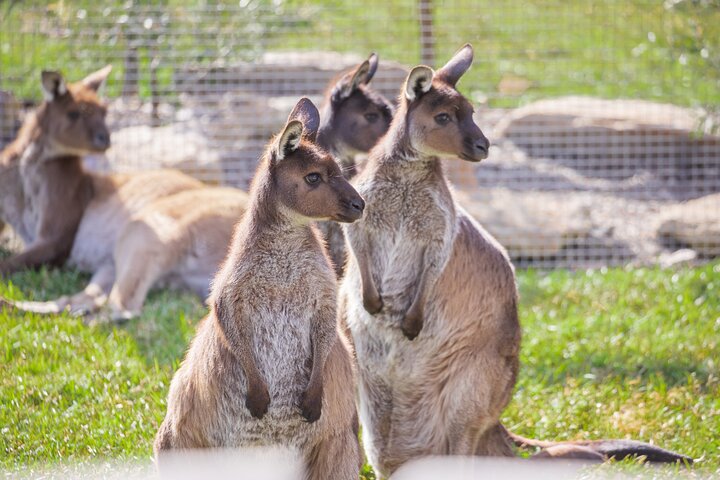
{"x":129,"y":231}
{"x":354,"y":117}
{"x":430,"y":297}
{"x":267,"y":367}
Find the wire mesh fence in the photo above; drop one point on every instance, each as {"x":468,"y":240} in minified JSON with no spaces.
{"x":602,"y":115}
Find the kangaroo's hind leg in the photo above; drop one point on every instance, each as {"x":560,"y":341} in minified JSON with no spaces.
{"x":142,"y":257}
{"x":337,"y":457}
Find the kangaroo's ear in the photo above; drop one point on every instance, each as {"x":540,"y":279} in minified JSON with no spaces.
{"x":96,"y":79}
{"x":306,"y":113}
{"x":53,"y":85}
{"x":351,"y":81}
{"x":418,"y":82}
{"x":451,"y":72}
{"x":373,"y":61}
{"x":289,"y":140}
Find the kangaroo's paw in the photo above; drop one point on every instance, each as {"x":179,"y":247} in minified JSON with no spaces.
{"x":373,"y":304}
{"x":411,"y":325}
{"x":311,"y":405}
{"x":257,"y":401}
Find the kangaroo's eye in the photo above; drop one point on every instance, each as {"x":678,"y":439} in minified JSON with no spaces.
{"x":312,"y":178}
{"x":442,"y":118}
{"x":73,"y":115}
{"x":372,"y":117}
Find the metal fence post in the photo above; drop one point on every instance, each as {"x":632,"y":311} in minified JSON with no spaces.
{"x":427,"y":38}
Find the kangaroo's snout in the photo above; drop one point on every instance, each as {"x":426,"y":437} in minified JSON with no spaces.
{"x":354,"y":207}
{"x":358,"y":204}
{"x":482,"y":146}
{"x":101,"y":140}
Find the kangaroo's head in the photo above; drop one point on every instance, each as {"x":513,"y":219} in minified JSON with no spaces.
{"x":355,"y":116}
{"x":71,"y":120}
{"x":306,"y":180}
{"x":439,"y":119}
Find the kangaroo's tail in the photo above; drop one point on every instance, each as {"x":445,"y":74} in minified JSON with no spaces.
{"x":600,"y":450}
{"x":45,"y":308}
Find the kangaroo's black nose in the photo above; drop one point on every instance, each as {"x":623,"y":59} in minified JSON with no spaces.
{"x":483,"y":145}
{"x":358,"y":204}
{"x":101,"y":140}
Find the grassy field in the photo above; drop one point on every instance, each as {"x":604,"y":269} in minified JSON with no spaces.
{"x":617,"y":353}
{"x":668,"y":51}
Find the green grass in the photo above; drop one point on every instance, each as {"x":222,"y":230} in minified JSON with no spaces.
{"x":620,"y":353}
{"x":667,"y":51}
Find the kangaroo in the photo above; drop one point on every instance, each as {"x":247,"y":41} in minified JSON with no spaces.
{"x":267,"y":366}
{"x":354,"y":117}
{"x":130,"y":231}
{"x":429,"y":297}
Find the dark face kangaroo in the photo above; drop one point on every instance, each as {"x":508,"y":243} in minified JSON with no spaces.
{"x":42,"y":169}
{"x":267,"y":366}
{"x":73,"y":119}
{"x":439,"y":119}
{"x":354,"y":116}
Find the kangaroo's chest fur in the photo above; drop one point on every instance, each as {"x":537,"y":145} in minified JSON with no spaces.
{"x":282,"y":295}
{"x":409,"y":228}
{"x":278,"y":297}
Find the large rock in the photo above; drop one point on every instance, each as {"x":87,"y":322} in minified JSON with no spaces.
{"x":530,"y":224}
{"x":215,"y":138}
{"x":695,"y":224}
{"x":179,"y":145}
{"x":616,"y":139}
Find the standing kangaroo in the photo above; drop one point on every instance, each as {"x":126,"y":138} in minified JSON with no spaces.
{"x":267,"y":367}
{"x":354,"y":117}
{"x":430,"y":297}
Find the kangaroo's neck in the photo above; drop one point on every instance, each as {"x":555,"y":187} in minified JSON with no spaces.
{"x":395,"y":158}
{"x":270,"y":223}
{"x":267,"y":235}
{"x":33,"y":146}
{"x":327,"y":139}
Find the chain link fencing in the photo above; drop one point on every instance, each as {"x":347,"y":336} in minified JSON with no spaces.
{"x":602,"y":115}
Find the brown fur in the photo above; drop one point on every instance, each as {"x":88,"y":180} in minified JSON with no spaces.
{"x":429,"y":297}
{"x":42,"y":169}
{"x":267,"y":367}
